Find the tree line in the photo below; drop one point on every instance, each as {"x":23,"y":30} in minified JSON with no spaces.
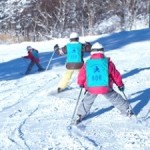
{"x":45,"y":19}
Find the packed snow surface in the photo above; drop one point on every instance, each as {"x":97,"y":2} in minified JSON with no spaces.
{"x":31,"y":118}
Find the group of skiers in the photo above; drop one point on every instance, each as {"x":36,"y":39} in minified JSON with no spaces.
{"x":97,"y":75}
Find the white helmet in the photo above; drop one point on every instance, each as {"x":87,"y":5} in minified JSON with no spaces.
{"x":74,"y":35}
{"x":29,"y":48}
{"x":97,"y":46}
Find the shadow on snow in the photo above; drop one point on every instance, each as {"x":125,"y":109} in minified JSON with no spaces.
{"x":13,"y":69}
{"x":98,"y":112}
{"x":120,"y":39}
{"x":143,"y":98}
{"x":134,"y":71}
{"x":10,"y":70}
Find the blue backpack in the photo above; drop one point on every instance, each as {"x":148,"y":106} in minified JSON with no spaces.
{"x":74,"y":52}
{"x":35,"y":53}
{"x":97,"y":72}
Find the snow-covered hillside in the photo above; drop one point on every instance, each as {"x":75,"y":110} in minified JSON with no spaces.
{"x":33,"y":119}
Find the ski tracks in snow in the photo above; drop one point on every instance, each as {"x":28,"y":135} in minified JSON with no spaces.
{"x":26,"y":106}
{"x":129,"y":134}
{"x":84,"y":140}
{"x":132,"y":132}
{"x":96,"y":133}
{"x":105,"y":130}
{"x":19,"y":131}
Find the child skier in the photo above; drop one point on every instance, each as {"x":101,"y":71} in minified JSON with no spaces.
{"x":97,"y":77}
{"x":74,"y":50}
{"x":34,"y":57}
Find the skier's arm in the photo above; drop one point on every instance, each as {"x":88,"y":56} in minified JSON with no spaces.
{"x":60,"y":51}
{"x":87,"y":47}
{"x":28,"y":56}
{"x":115,"y":74}
{"x":82,"y":76}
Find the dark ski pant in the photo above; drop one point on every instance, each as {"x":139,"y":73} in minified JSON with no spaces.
{"x":115,"y":98}
{"x":31,"y":66}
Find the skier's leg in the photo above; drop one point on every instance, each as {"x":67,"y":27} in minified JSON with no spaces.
{"x":29,"y":67}
{"x":85,"y":105}
{"x":65,"y":80}
{"x":119,"y":102}
{"x":39,"y":66}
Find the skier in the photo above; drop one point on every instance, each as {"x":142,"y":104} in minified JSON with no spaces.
{"x":34,"y":57}
{"x":97,"y":77}
{"x":74,"y":50}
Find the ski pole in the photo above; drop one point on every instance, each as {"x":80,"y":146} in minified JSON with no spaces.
{"x":129,"y":104}
{"x":126,"y":99}
{"x":124,"y":95}
{"x":76,"y":105}
{"x":85,"y":92}
{"x":50,"y":60}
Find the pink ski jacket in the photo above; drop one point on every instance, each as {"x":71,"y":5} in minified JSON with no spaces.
{"x":33,"y":57}
{"x":114,"y":77}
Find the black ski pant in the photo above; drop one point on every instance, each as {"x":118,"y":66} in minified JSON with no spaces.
{"x":30,"y":66}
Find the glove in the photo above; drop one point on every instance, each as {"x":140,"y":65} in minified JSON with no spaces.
{"x":121,"y":88}
{"x":56,"y":47}
{"x":88,"y":43}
